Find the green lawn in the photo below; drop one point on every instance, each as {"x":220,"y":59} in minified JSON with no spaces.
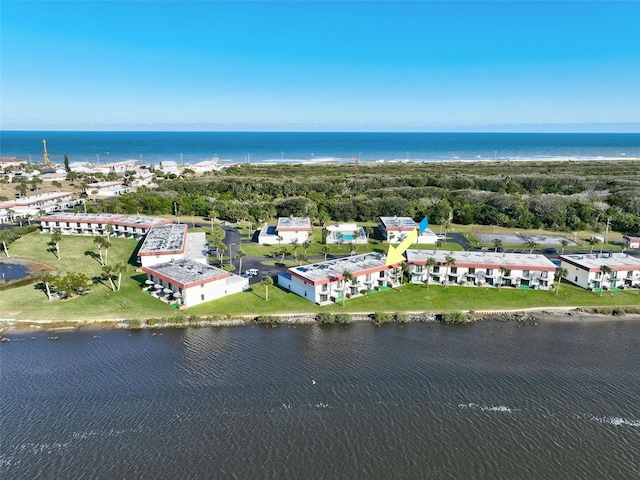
{"x":416,"y":298}
{"x":30,"y":302}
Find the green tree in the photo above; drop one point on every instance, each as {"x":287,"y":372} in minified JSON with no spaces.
{"x":118,"y":269}
{"x":496,"y":243}
{"x":347,"y":276}
{"x":593,"y":241}
{"x":503,"y":272}
{"x":325,"y":251}
{"x":560,"y":274}
{"x":109,"y":271}
{"x":438,"y":244}
{"x":56,"y":238}
{"x":67,"y":167}
{"x":47,"y":278}
{"x":267,"y":282}
{"x":605,"y":270}
{"x":431,"y":262}
{"x":240,"y":254}
{"x":564,"y":244}
{"x":449,"y":262}
{"x":532,"y":245}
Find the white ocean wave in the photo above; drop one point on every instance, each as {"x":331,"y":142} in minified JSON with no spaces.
{"x":617,"y":421}
{"x":486,"y":408}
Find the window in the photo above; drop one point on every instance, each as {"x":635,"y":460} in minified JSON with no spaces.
{"x":419,"y":268}
{"x":202,"y":297}
{"x":598,"y":274}
{"x":202,"y":285}
{"x":382,"y":274}
{"x":436,"y":269}
{"x":324,"y":287}
{"x":525,"y":273}
{"x":454,"y":270}
{"x":472,"y":270}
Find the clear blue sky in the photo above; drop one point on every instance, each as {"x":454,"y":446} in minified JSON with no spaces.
{"x":330,"y":66}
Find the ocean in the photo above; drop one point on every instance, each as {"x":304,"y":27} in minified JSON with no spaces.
{"x":487,"y":401}
{"x":294,"y":147}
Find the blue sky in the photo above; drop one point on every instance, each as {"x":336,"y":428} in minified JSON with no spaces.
{"x":320,"y":66}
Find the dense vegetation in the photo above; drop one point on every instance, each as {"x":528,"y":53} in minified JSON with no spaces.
{"x":566,"y":195}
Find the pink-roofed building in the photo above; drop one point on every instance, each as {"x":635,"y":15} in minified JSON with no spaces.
{"x":631,"y":242}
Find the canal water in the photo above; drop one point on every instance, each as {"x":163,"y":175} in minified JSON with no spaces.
{"x":489,"y":401}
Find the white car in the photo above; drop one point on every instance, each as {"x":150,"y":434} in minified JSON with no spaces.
{"x":252,"y":272}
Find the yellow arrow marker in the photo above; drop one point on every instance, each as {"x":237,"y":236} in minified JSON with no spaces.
{"x":394,"y":255}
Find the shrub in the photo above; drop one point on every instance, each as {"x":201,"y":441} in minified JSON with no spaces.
{"x":194,"y":318}
{"x":343,"y":318}
{"x":133,"y":323}
{"x":455,"y":318}
{"x":267,"y":319}
{"x":152,"y":321}
{"x":325,"y":317}
{"x":402,"y":317}
{"x":177,"y":320}
{"x":382,"y":317}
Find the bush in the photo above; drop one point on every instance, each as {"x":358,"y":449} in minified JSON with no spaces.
{"x":402,"y":317}
{"x":152,"y":321}
{"x":177,"y":320}
{"x":455,"y":318}
{"x":194,"y":318}
{"x":325,"y":317}
{"x":343,"y":318}
{"x":382,"y":317}
{"x":133,"y":323}
{"x":267,"y":319}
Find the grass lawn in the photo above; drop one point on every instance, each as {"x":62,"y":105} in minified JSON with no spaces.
{"x":31,"y":302}
{"x":416,"y":298}
{"x":78,"y":254}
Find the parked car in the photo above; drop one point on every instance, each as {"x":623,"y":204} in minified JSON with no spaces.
{"x":252,"y":272}
{"x":550,"y":250}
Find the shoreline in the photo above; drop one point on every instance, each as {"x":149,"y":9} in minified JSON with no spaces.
{"x":525,"y":316}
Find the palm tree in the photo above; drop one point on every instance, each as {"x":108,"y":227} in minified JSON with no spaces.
{"x":496,"y":243}
{"x":108,"y":271}
{"x":325,"y":251}
{"x":438,"y":244}
{"x":3,"y":237}
{"x":503,"y":271}
{"x":302,"y":257}
{"x":240,"y":254}
{"x":532,"y":245}
{"x":449,"y":261}
{"x":100,"y":242}
{"x":593,"y":241}
{"x":305,"y":245}
{"x":295,"y":244}
{"x":564,"y":244}
{"x":119,"y":268}
{"x":347,"y":277}
{"x":352,"y":247}
{"x":560,"y":274}
{"x":431,"y":262}
{"x":339,"y":238}
{"x":605,"y":270}
{"x":47,"y":278}
{"x":267,"y":282}
{"x":56,"y":238}
{"x":280,"y":239}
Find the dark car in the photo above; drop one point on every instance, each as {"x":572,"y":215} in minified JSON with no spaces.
{"x":550,"y":250}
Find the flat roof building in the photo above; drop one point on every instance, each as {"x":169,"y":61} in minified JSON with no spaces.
{"x":324,"y":282}
{"x":586,"y":270}
{"x":172,"y":242}
{"x":482,"y":268}
{"x":133,"y":226}
{"x":396,"y":229}
{"x":188,"y":283}
{"x":288,"y":230}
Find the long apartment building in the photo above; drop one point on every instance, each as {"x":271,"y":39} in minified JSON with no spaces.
{"x":482,"y":268}
{"x":325,"y":282}
{"x":127,"y":226}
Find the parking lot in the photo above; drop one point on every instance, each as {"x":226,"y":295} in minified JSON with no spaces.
{"x":520,"y":239}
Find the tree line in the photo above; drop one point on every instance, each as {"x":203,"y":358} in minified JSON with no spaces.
{"x":567,"y":195}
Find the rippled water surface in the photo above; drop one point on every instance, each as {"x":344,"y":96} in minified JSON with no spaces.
{"x":492,"y":400}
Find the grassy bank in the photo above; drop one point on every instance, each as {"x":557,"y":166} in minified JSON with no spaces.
{"x":101,"y":303}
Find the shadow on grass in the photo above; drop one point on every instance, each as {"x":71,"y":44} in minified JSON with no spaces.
{"x":93,"y":255}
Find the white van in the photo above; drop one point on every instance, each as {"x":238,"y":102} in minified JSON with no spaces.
{"x":252,"y":272}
